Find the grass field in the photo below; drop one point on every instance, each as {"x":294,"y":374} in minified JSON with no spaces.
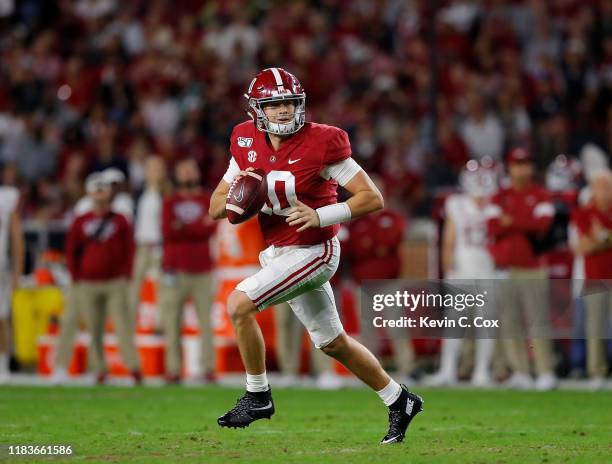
{"x":151,"y":425}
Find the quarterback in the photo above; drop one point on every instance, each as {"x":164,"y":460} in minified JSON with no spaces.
{"x":304,"y":162}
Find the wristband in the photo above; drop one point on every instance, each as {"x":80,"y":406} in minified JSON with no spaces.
{"x":333,"y":214}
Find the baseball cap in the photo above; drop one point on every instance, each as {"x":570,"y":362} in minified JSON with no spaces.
{"x":113,"y":175}
{"x":95,"y":182}
{"x":519,"y":155}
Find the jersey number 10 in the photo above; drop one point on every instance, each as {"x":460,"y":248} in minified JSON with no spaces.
{"x":281,"y":193}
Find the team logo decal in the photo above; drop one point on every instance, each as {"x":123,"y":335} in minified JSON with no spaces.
{"x":252,"y":156}
{"x":272,"y":159}
{"x":188,"y":212}
{"x":245,"y":142}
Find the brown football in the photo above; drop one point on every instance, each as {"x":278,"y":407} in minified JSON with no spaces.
{"x":246,"y":196}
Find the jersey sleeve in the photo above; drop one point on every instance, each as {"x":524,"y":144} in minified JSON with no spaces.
{"x":338,"y":147}
{"x":11,"y":199}
{"x":232,"y":171}
{"x":450,"y":206}
{"x":342,"y":172}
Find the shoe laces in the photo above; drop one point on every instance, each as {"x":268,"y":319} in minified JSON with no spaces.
{"x":244,"y":403}
{"x":395,"y":421}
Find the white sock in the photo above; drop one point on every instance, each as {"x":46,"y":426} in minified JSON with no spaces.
{"x":484,"y":354}
{"x":4,"y":363}
{"x":449,"y":357}
{"x":390,"y":393}
{"x":257,"y":383}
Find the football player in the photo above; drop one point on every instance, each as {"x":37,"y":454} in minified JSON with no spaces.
{"x":465,"y":256}
{"x":10,"y":233}
{"x":304,"y":162}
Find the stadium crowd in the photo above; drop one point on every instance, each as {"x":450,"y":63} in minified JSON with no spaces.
{"x":89,"y":85}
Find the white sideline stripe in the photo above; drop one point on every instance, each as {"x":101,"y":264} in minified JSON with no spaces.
{"x":277,"y":76}
{"x":256,"y":176}
{"x":234,"y":208}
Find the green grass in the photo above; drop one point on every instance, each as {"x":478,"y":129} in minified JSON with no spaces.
{"x":151,"y":425}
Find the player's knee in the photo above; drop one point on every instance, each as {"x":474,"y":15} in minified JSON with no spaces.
{"x":240,"y":307}
{"x":337,"y":346}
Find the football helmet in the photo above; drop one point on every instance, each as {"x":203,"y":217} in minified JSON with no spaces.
{"x":563,"y":174}
{"x":272,"y":85}
{"x":479,"y":179}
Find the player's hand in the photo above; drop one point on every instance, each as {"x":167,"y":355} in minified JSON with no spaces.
{"x":304,"y":215}
{"x":244,"y":173}
{"x":506,"y":220}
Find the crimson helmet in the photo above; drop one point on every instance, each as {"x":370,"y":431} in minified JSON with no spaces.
{"x":271,"y":85}
{"x":479,"y":178}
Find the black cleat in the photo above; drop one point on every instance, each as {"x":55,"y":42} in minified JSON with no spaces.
{"x":249,"y":408}
{"x":401,"y":414}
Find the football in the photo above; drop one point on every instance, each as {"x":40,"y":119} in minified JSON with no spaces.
{"x":246,"y":196}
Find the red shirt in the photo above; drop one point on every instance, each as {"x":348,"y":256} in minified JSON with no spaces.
{"x":597,"y":265}
{"x":373,"y":246}
{"x":107,"y":257}
{"x":186,"y":231}
{"x":293,"y":173}
{"x":531,"y":211}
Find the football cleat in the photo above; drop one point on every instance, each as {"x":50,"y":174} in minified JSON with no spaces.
{"x":410,"y":405}
{"x":249,"y":408}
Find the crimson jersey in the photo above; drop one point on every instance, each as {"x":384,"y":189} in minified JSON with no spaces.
{"x":596,"y":265}
{"x":294,"y":172}
{"x":373,"y":245}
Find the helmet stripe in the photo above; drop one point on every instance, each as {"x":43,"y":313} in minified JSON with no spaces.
{"x":251,"y":86}
{"x":277,"y":76}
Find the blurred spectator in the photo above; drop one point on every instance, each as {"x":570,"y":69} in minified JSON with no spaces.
{"x":594,"y":224}
{"x":108,"y":80}
{"x":121,"y":202}
{"x":465,"y":257}
{"x":186,"y":267}
{"x":99,"y":253}
{"x":481,"y":130}
{"x":12,"y":253}
{"x":517,"y":216}
{"x":148,"y":232}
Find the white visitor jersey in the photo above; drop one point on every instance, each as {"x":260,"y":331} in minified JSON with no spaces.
{"x":9,"y":197}
{"x":472,"y":258}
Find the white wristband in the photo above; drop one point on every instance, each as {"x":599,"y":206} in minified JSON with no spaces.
{"x":333,"y":214}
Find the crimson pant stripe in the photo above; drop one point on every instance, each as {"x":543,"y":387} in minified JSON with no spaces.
{"x":317,"y":263}
{"x":292,"y":276}
{"x":281,"y":287}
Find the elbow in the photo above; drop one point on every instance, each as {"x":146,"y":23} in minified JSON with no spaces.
{"x":378,"y":202}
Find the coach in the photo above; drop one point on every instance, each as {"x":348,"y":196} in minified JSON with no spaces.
{"x":99,"y":253}
{"x":186,"y":267}
{"x":594,"y":224}
{"x":517,"y":216}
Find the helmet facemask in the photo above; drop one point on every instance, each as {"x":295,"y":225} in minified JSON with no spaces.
{"x":478,"y":181}
{"x":256,"y":111}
